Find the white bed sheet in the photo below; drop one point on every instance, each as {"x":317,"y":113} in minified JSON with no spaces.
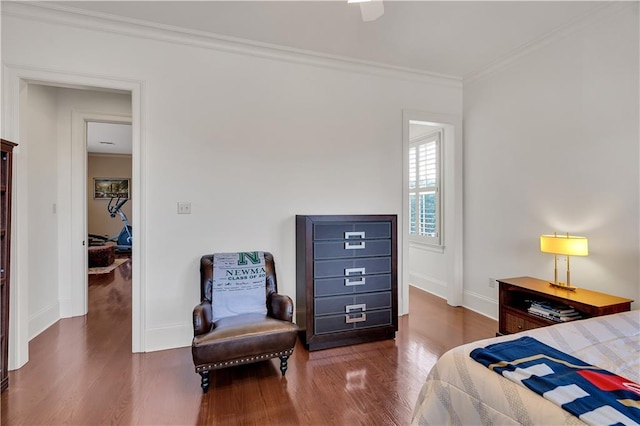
{"x":459,"y":390}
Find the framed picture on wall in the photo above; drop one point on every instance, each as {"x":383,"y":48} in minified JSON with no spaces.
{"x":107,"y":188}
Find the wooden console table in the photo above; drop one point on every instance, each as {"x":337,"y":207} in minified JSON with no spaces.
{"x":515,"y":295}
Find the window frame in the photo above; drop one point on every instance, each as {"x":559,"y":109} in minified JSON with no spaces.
{"x":427,"y":240}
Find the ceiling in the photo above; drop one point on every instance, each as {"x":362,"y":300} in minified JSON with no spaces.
{"x":451,"y":38}
{"x":454,"y":38}
{"x":109,"y":138}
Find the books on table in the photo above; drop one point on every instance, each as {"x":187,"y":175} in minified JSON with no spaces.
{"x":553,"y":311}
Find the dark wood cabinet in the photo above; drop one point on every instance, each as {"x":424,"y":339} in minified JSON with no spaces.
{"x":516,"y":295}
{"x":5,"y":255}
{"x":346,"y":279}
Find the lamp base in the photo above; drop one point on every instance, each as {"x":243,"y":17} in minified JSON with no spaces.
{"x":564,"y":286}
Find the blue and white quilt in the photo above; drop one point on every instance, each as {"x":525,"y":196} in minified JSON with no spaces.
{"x":594,"y":395}
{"x":459,"y":390}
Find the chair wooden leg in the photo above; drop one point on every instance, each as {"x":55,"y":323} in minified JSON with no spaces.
{"x":204,"y":384}
{"x":283,"y":363}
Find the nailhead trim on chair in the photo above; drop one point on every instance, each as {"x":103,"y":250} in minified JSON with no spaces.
{"x":242,"y":360}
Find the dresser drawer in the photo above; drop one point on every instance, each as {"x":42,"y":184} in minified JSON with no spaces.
{"x":353,"y":303}
{"x":338,"y":231}
{"x":346,"y":322}
{"x":515,"y":323}
{"x":351,"y":267}
{"x":343,"y":285}
{"x":356,"y":248}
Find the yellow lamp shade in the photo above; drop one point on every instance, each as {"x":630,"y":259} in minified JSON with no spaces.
{"x":565,"y":245}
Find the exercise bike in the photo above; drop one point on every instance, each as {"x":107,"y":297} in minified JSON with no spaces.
{"x":124,"y":239}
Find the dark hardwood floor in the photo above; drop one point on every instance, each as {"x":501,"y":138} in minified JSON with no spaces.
{"x":81,"y":371}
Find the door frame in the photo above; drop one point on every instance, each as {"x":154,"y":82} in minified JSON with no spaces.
{"x":14,"y":85}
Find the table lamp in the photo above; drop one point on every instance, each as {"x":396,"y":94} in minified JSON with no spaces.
{"x":563,"y":245}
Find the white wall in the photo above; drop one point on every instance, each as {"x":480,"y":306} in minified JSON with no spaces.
{"x":42,"y":259}
{"x":250,"y":138}
{"x":551,"y":144}
{"x":428,"y":269}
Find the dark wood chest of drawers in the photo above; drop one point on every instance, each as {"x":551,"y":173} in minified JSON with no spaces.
{"x":346,"y":279}
{"x":5,"y":255}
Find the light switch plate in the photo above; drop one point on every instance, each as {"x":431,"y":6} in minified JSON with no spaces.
{"x":184,"y":207}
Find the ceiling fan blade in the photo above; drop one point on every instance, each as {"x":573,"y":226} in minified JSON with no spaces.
{"x":371,"y":10}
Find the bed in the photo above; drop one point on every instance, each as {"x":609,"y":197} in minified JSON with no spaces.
{"x":459,"y":390}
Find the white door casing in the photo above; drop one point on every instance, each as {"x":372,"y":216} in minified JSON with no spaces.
{"x":14,"y":85}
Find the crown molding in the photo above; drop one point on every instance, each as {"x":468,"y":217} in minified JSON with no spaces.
{"x":70,"y":16}
{"x":598,"y":13}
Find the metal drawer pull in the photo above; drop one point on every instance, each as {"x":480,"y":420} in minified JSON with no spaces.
{"x":354,"y":246}
{"x":351,"y":281}
{"x":348,"y":319}
{"x":348,"y":235}
{"x":359,"y":307}
{"x":349,"y":271}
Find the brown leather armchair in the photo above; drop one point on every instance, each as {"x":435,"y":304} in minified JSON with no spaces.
{"x":245,"y":338}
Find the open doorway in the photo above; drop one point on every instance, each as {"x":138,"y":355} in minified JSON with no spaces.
{"x":432,"y":206}
{"x":109,"y":191}
{"x":427,"y":268}
{"x":46,"y":111}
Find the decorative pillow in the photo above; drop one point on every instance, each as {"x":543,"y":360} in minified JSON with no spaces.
{"x":238,"y":284}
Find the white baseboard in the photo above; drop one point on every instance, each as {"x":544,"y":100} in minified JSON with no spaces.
{"x":473,"y":301}
{"x":43,"y":319}
{"x":169,"y":337}
{"x":66,"y":308}
{"x":480,"y":304}
{"x":428,"y":284}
